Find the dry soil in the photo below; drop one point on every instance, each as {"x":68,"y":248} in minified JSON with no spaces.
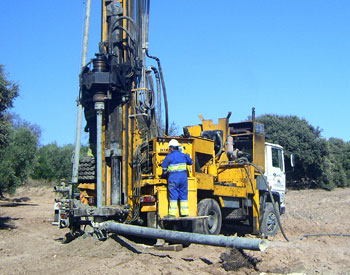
{"x":30,"y":244}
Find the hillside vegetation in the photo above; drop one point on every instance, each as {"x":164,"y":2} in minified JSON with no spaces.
{"x":319,"y":162}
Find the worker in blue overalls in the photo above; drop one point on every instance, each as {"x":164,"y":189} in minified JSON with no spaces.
{"x":175,"y":167}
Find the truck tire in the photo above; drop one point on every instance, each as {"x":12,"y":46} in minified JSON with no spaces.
{"x":211,"y":225}
{"x":269,"y":225}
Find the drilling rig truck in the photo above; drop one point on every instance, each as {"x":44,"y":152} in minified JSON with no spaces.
{"x":237,"y":180}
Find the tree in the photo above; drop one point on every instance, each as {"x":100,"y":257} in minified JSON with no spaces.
{"x":18,"y":143}
{"x":55,"y":162}
{"x":8,"y":92}
{"x":313,"y":163}
{"x":18,"y":158}
{"x":173,"y":129}
{"x":340,"y":161}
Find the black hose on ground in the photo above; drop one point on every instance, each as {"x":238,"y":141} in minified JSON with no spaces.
{"x":164,"y":91}
{"x":324,"y":234}
{"x":245,"y":161}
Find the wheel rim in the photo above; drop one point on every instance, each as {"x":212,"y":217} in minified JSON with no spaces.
{"x":212,"y":221}
{"x":271,"y":222}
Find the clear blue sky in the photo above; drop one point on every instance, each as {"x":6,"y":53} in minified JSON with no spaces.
{"x":282,"y":57}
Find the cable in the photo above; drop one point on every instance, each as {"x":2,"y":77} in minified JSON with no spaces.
{"x":243,"y":161}
{"x":127,"y":32}
{"x":136,"y":186}
{"x":159,"y":100}
{"x":164,"y":92}
{"x":113,"y":27}
{"x":324,"y":234}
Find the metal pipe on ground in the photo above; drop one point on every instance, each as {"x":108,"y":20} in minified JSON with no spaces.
{"x":169,"y":235}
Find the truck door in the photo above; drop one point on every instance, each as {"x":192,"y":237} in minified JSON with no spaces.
{"x":275,"y":171}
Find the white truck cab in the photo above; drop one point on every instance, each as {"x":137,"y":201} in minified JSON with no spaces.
{"x":275,"y":177}
{"x":275,"y":172}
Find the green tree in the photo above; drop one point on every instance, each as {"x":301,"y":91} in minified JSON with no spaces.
{"x":55,"y":162}
{"x":340,"y":159}
{"x":346,"y":161}
{"x":313,"y":162}
{"x":8,"y":92}
{"x":18,"y":141}
{"x":18,"y":158}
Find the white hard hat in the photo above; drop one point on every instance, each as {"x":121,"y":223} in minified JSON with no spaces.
{"x":173,"y":143}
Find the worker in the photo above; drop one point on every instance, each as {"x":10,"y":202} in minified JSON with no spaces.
{"x":175,"y":168}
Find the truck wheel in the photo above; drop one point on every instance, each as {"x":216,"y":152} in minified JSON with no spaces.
{"x":269,"y":225}
{"x":211,"y":225}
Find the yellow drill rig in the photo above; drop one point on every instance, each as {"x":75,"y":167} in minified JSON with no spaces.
{"x":121,"y":181}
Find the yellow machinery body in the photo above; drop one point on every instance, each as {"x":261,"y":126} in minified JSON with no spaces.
{"x":217,"y":178}
{"x":132,"y":147}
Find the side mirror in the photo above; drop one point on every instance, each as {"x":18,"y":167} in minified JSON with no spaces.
{"x":292,"y":160}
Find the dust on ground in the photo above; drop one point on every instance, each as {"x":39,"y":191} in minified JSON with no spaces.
{"x":30,"y":244}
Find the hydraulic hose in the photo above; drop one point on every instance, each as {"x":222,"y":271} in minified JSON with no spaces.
{"x":164,"y":91}
{"x":246,"y":161}
{"x":121,"y":18}
{"x":324,"y":234}
{"x":159,"y":111}
{"x":113,"y":27}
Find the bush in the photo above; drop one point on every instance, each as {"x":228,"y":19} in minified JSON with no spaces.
{"x":18,"y":158}
{"x":314,"y":161}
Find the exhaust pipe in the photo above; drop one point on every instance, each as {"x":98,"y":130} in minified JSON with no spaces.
{"x":170,"y":235}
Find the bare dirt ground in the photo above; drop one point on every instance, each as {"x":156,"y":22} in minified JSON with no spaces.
{"x":29,"y":244}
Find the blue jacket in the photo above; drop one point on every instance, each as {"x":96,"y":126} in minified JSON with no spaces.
{"x":175,"y":164}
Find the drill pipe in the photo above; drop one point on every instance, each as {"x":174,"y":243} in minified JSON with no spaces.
{"x":80,"y":106}
{"x":185,"y":237}
{"x":99,"y":107}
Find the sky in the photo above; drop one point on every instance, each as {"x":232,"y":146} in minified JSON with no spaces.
{"x":285,"y":57}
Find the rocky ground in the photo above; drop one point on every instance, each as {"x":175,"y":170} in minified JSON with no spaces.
{"x":30,"y":244}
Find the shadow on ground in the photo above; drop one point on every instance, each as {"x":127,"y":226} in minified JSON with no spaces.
{"x":22,"y":201}
{"x":7,"y":223}
{"x":15,"y":204}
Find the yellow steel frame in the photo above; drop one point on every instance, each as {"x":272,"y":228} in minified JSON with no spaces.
{"x":238,"y":181}
{"x":232,"y":180}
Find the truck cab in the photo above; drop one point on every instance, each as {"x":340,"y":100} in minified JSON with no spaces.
{"x":275,"y":172}
{"x":275,"y":180}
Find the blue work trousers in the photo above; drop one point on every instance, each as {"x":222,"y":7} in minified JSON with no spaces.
{"x":178,"y":186}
